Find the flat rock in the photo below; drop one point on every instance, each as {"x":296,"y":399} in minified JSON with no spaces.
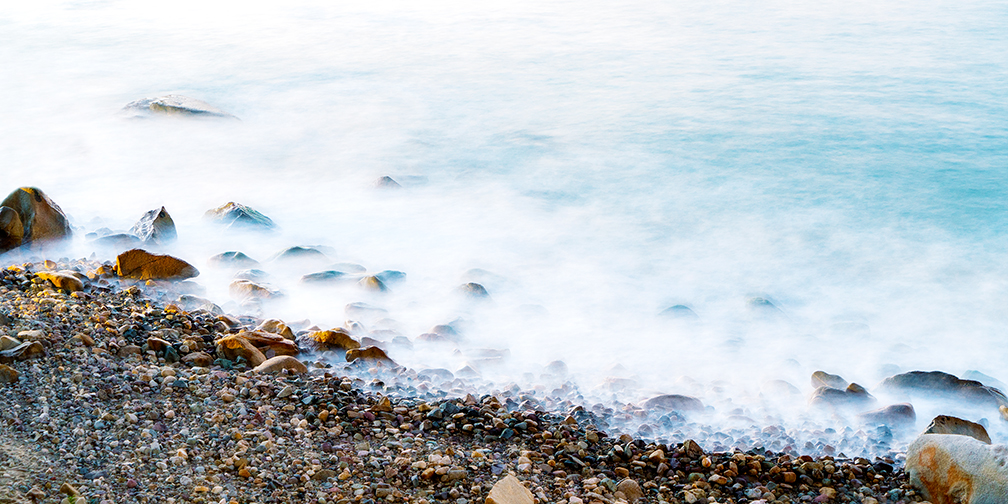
{"x":368,"y":353}
{"x":327,"y":277}
{"x":239,"y":217}
{"x":7,"y":342}
{"x":232,"y":259}
{"x":173,"y":105}
{"x":895,"y":415}
{"x":953,"y":469}
{"x":269,"y":344}
{"x":508,"y":490}
{"x":233,"y":346}
{"x":279,"y":363}
{"x":333,"y":339}
{"x":944,"y":424}
{"x":824,"y":379}
{"x":62,"y":280}
{"x":27,"y":215}
{"x":139,"y":264}
{"x":945,"y":385}
{"x":674,"y":402}
{"x":155,"y":226}
{"x":26,"y":350}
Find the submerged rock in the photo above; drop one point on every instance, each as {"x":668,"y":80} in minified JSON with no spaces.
{"x":142,"y":265}
{"x":473,"y":290}
{"x":895,"y":415}
{"x":951,"y":469}
{"x":327,"y":277}
{"x":944,"y":424}
{"x":299,"y":254}
{"x":946,"y":385}
{"x":674,"y":402}
{"x":679,"y":312}
{"x":155,"y":226}
{"x":27,"y":215}
{"x":390,"y":276}
{"x":824,"y":379}
{"x":372,"y":284}
{"x":242,"y":290}
{"x":232,"y":259}
{"x":854,"y":396}
{"x":387,"y":182}
{"x":173,"y":105}
{"x":238,"y":216}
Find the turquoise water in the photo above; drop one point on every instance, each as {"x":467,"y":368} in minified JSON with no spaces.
{"x":846,"y":160}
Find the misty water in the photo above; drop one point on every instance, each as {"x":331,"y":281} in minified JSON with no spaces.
{"x":590,"y":164}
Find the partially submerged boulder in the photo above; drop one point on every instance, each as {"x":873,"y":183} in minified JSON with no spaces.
{"x":238,"y":216}
{"x":276,"y":326}
{"x":674,"y":402}
{"x":473,"y":290}
{"x":27,"y":215}
{"x":944,"y":424}
{"x":244,"y":290}
{"x":327,"y":277}
{"x":853,"y":396}
{"x":155,"y":226}
{"x":173,"y":105}
{"x":139,"y":264}
{"x":297,"y":253}
{"x":937,"y":383}
{"x":952,"y":469}
{"x":824,"y":379}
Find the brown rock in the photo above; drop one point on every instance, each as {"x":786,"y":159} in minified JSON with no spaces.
{"x":30,"y":216}
{"x":157,"y":344}
{"x":128,"y":350}
{"x":276,"y":327}
{"x":824,"y":379}
{"x":69,"y":490}
{"x":508,"y":490}
{"x":944,"y":424}
{"x":373,"y":284}
{"x":232,"y":259}
{"x":26,"y":350}
{"x":692,"y":449}
{"x":951,"y":469}
{"x":8,"y":374}
{"x":334,"y":339}
{"x":369,"y":353}
{"x":854,"y":395}
{"x":139,"y":264}
{"x":473,"y":290}
{"x":630,"y":489}
{"x":198,"y":359}
{"x":270,"y":344}
{"x":280,"y":362}
{"x":243,"y":290}
{"x":674,"y":402}
{"x":7,"y":342}
{"x":62,"y":280}
{"x":234,"y":346}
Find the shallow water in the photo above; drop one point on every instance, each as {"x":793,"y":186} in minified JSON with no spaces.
{"x":845,"y":161}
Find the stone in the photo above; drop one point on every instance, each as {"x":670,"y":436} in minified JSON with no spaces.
{"x":373,"y":284}
{"x":26,"y":350}
{"x":269,"y":344}
{"x":674,"y":402}
{"x":139,"y":264}
{"x":473,"y":290}
{"x":368,"y":353}
{"x":954,"y":469}
{"x":69,"y":490}
{"x":853,"y":396}
{"x":276,"y":326}
{"x":327,"y":277}
{"x":236,"y":216}
{"x":62,"y":280}
{"x":27,"y":215}
{"x":173,"y":105}
{"x":155,"y":226}
{"x":763,"y":307}
{"x":390,"y":276}
{"x":387,"y":182}
{"x":508,"y":490}
{"x":232,"y":259}
{"x":937,"y":383}
{"x":7,"y":342}
{"x":895,"y":415}
{"x":824,"y":379}
{"x":944,"y":424}
{"x":243,"y":290}
{"x":692,"y":449}
{"x":157,"y":344}
{"x":118,"y":241}
{"x":631,"y":489}
{"x":779,"y":388}
{"x":333,"y":339}
{"x":299,"y":254}
{"x":679,"y":312}
{"x":198,"y":359}
{"x":279,"y":363}
{"x":7,"y":374}
{"x":234,"y":346}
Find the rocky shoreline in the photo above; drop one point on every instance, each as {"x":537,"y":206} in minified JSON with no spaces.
{"x":112,"y":396}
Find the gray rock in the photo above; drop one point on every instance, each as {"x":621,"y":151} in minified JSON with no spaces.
{"x":853,"y":396}
{"x":232,"y":259}
{"x":947,"y":468}
{"x":172,"y":105}
{"x":155,"y":226}
{"x":241,"y":217}
{"x":895,"y":415}
{"x":944,"y":424}
{"x":674,"y":402}
{"x":937,"y":383}
{"x":387,"y":182}
{"x":679,"y":312}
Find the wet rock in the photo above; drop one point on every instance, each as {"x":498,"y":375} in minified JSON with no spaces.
{"x":7,"y":342}
{"x":189,"y":302}
{"x":824,"y":379}
{"x":142,"y":265}
{"x":947,"y":386}
{"x":390,"y":276}
{"x":7,"y":374}
{"x":24,"y":351}
{"x":27,"y":215}
{"x":252,"y":275}
{"x":473,"y":290}
{"x":679,"y":312}
{"x":269,"y":344}
{"x":990,"y":381}
{"x":232,"y":259}
{"x":276,"y":326}
{"x":118,"y":241}
{"x":236,"y":216}
{"x":674,"y":402}
{"x":364,"y":310}
{"x":242,"y":290}
{"x":508,"y":490}
{"x":233,"y":346}
{"x":279,"y":363}
{"x":557,"y":368}
{"x":299,"y":254}
{"x":155,"y":226}
{"x":198,"y":359}
{"x":951,"y":469}
{"x":65,"y":280}
{"x":853,"y":396}
{"x":387,"y":182}
{"x":368,"y":353}
{"x":631,"y":489}
{"x":895,"y":415}
{"x":327,"y":277}
{"x":334,"y":339}
{"x":944,"y":424}
{"x":173,"y":105}
{"x":373,"y":284}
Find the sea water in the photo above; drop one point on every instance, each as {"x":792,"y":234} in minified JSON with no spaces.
{"x":590,"y":163}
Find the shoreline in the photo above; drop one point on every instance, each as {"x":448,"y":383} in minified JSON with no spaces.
{"x":118,"y":423}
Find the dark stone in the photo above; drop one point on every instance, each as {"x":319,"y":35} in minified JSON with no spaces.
{"x":156,"y":226}
{"x":238,"y":216}
{"x":854,"y":395}
{"x":674,"y":402}
{"x":946,"y":385}
{"x":896,"y":415}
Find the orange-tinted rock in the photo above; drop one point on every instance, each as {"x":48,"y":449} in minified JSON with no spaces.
{"x":139,"y":264}
{"x":8,"y":374}
{"x":334,"y":339}
{"x":269,"y":344}
{"x":279,"y":363}
{"x":276,"y":327}
{"x":62,"y":280}
{"x":373,"y":284}
{"x":953,"y":469}
{"x":944,"y":424}
{"x":368,"y":353}
{"x":40,"y":219}
{"x":234,"y":346}
{"x":509,"y":491}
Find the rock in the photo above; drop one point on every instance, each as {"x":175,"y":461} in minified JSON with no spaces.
{"x":189,"y":302}
{"x":27,"y":215}
{"x":692,"y":449}
{"x":679,"y":312}
{"x":945,"y":385}
{"x":990,"y":381}
{"x":368,"y":353}
{"x":387,"y":182}
{"x":155,"y":226}
{"x":240,"y":217}
{"x":763,"y":307}
{"x":254,"y":275}
{"x":853,"y":396}
{"x":557,"y":368}
{"x":26,"y":350}
{"x":895,"y":415}
{"x":335,"y":339}
{"x":69,"y":490}
{"x":943,"y":424}
{"x":508,"y":490}
{"x":674,"y":402}
{"x":65,"y":280}
{"x":233,"y":346}
{"x":327,"y":277}
{"x":363,"y":310}
{"x":198,"y":359}
{"x":8,"y":374}
{"x":269,"y":344}
{"x":373,"y":284}
{"x":631,"y":489}
{"x":7,"y":342}
{"x":139,"y":264}
{"x":243,"y":290}
{"x":299,"y":254}
{"x":173,"y":105}
{"x":232,"y":259}
{"x":952,"y":469}
{"x":118,"y":241}
{"x":390,"y":276}
{"x":157,"y":344}
{"x":276,"y":326}
{"x":473,"y":290}
{"x":824,"y":379}
{"x":281,"y":362}
{"x":779,"y":388}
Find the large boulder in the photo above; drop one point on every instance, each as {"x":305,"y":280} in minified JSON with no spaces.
{"x":27,"y":215}
{"x":824,"y":379}
{"x":139,"y":264}
{"x":952,"y":469}
{"x":937,"y":383}
{"x":173,"y":105}
{"x":944,"y":424}
{"x":238,"y":216}
{"x":155,"y":226}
